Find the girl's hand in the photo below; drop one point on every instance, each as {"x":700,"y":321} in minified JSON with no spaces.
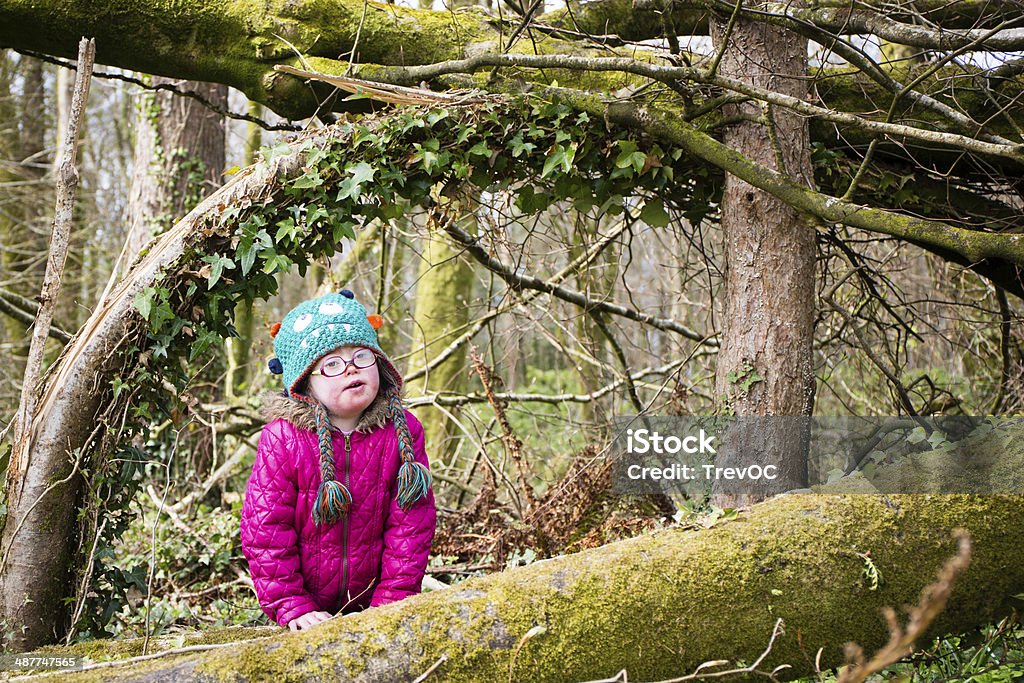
{"x":307,"y":620}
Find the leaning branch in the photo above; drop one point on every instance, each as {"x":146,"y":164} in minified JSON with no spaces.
{"x":847,"y":21}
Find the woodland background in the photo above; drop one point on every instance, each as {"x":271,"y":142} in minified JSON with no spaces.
{"x":518,"y":413}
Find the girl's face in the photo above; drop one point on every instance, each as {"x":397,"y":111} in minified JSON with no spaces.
{"x":344,"y":389}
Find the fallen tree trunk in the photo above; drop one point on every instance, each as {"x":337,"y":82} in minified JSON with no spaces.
{"x":661,"y":604}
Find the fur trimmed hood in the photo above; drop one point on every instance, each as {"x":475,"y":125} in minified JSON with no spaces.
{"x":302,"y":415}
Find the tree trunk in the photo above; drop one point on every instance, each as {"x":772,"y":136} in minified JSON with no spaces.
{"x":443,"y":292}
{"x":661,"y":604}
{"x":765,"y":359}
{"x":179,"y":158}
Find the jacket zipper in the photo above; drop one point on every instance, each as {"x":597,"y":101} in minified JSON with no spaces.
{"x":345,"y":527}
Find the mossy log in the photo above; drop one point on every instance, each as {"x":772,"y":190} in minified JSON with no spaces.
{"x":661,"y":604}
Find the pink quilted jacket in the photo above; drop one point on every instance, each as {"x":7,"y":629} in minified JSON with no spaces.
{"x":374,"y":555}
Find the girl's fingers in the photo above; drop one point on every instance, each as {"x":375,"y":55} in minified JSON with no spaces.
{"x":307,"y":620}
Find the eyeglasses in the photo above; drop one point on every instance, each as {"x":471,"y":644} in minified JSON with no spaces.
{"x":335,"y":365}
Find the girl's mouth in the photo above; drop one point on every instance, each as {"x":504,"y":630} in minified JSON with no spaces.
{"x":355,"y":385}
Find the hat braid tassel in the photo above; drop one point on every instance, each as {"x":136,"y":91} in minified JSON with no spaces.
{"x":413,"y":477}
{"x":333,"y":498}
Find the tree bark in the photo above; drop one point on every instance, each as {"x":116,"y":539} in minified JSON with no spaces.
{"x":661,"y":604}
{"x":765,"y":359}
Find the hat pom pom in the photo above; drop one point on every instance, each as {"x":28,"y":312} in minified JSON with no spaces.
{"x":332,"y":501}
{"x":347,"y":293}
{"x":274,"y":364}
{"x":413,"y":483}
{"x":376,"y":322}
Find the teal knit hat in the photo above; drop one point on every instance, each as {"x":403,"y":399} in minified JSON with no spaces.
{"x":312,"y":329}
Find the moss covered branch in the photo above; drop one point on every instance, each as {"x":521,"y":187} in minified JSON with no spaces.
{"x":236,"y":42}
{"x":661,"y":604}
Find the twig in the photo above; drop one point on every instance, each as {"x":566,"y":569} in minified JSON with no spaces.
{"x":438,"y":399}
{"x":713,"y":69}
{"x":518,"y":298}
{"x":355,"y":44}
{"x":156,"y":521}
{"x":512,"y":442}
{"x":515,"y":281}
{"x":67,"y":183}
{"x":901,"y":642}
{"x":169,"y":88}
{"x":890,"y":373}
{"x":433,"y":667}
{"x":25,"y":311}
{"x":85,"y":581}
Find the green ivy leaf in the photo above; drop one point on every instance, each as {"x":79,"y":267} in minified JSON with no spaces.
{"x":143,"y":302}
{"x":277,"y":263}
{"x":217,"y":265}
{"x":344,"y":229}
{"x":634,"y":160}
{"x":310,"y":179}
{"x":654,"y":214}
{"x":519,"y":147}
{"x":560,"y":157}
{"x":160,"y":314}
{"x":427,"y":154}
{"x":480,"y":149}
{"x":436,"y":115}
{"x":286,"y":228}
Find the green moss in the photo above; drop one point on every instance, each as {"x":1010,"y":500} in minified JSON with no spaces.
{"x":620,"y":18}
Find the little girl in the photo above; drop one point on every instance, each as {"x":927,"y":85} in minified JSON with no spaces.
{"x":338,"y":513}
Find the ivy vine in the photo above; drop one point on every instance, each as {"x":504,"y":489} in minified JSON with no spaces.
{"x":360,"y":171}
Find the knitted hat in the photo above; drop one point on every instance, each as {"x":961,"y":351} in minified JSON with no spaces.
{"x":312,"y":329}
